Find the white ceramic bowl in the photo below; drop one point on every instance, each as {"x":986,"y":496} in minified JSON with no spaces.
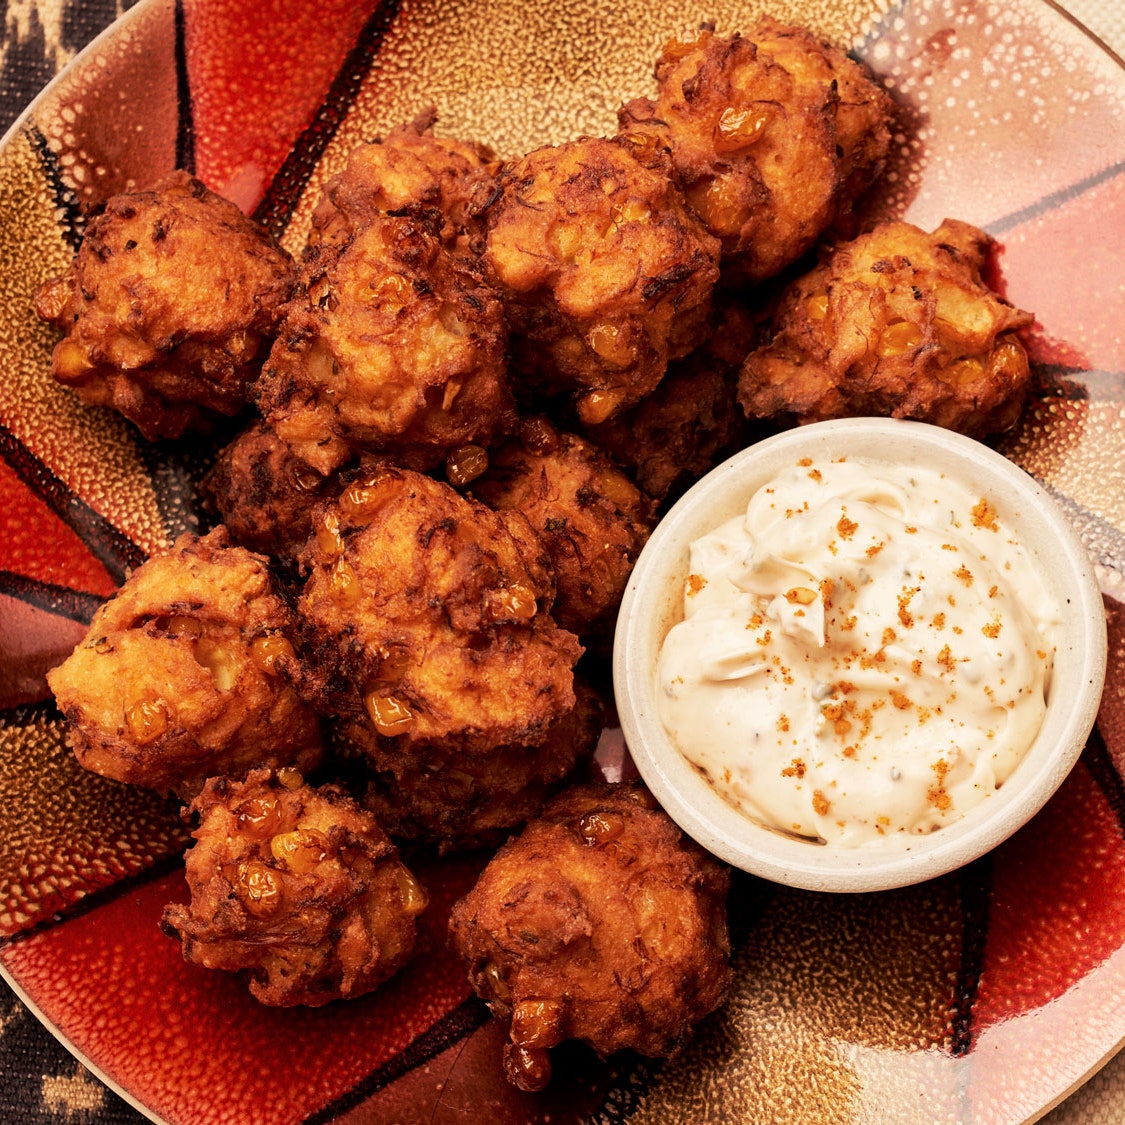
{"x":653,"y":601}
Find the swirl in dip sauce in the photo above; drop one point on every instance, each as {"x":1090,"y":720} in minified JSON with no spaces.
{"x":864,"y":655}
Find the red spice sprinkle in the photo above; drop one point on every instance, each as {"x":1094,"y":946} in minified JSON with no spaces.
{"x":846,"y":527}
{"x":984,"y":515}
{"x":795,"y":769}
{"x":889,"y":636}
{"x":820,"y":803}
{"x":964,"y":574}
{"x":695,"y":584}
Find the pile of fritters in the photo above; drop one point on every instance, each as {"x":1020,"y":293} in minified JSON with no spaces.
{"x":466,"y":405}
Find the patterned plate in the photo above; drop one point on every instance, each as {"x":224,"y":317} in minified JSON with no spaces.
{"x":984,"y":996}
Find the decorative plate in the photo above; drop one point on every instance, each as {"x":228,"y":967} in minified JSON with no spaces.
{"x":984,"y":996}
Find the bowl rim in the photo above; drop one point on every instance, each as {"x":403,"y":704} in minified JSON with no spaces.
{"x":1073,"y":702}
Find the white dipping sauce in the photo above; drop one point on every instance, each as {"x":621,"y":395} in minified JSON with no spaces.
{"x":864,"y":655}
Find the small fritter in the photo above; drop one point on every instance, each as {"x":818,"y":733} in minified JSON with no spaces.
{"x":591,"y":517}
{"x":772,"y":135}
{"x":692,"y":420}
{"x":297,"y":888}
{"x":601,"y":923}
{"x":168,"y":307}
{"x":394,"y":346}
{"x":453,"y":800}
{"x":897,"y":322}
{"x":428,"y":612}
{"x":178,"y":678}
{"x":408,"y":168}
{"x":606,"y":274}
{"x":265,"y":493}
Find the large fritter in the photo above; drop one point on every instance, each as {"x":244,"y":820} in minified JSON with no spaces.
{"x":408,"y":168}
{"x":168,"y":307}
{"x":897,"y":322}
{"x":178,"y":678}
{"x":428,"y":612}
{"x":772,"y":135}
{"x":394,"y":346}
{"x":440,"y":796}
{"x":605,"y":273}
{"x":591,"y":517}
{"x":297,"y":888}
{"x":600,"y":922}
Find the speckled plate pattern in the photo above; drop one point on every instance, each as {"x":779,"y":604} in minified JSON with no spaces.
{"x":984,"y":996}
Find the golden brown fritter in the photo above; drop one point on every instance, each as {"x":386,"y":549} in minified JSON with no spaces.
{"x":692,"y":420}
{"x":605,"y":273}
{"x":772,"y":135}
{"x":451,"y":799}
{"x":394,"y":346}
{"x":265,"y":493}
{"x":409,"y":168}
{"x":591,"y":517}
{"x":897,"y":322}
{"x":602,"y":923}
{"x":168,"y":307}
{"x":178,"y":678}
{"x":428,"y":612}
{"x":297,"y":888}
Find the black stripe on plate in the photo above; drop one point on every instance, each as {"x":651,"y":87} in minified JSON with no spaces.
{"x":1097,"y":760}
{"x":976,"y":893}
{"x":72,"y":219}
{"x":284,"y":193}
{"x":185,"y":120}
{"x":1055,"y":200}
{"x":57,"y":600}
{"x":116,"y":552}
{"x":459,"y":1024}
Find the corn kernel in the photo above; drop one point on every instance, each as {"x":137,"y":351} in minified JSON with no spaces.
{"x":642,"y":144}
{"x":597,"y":406}
{"x":465,"y":464}
{"x":305,"y":478}
{"x":681,"y":46}
{"x":816,"y":307}
{"x":258,"y":816}
{"x":497,"y":985}
{"x":290,"y":778}
{"x":537,"y":1023}
{"x":71,"y":362}
{"x":363,"y":498}
{"x":343,"y":584}
{"x":259,"y":888}
{"x":800,"y":595}
{"x":390,"y":714}
{"x":180,"y":625}
{"x":740,"y":127}
{"x":898,"y":338}
{"x":411,"y":893}
{"x":264,"y":651}
{"x":328,"y":537}
{"x":516,"y":601}
{"x":600,"y":827}
{"x":391,"y":291}
{"x":300,"y":850}
{"x":148,"y":719}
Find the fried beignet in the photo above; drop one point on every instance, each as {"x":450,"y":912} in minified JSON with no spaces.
{"x":168,"y":307}
{"x":897,"y":322}
{"x":772,"y":136}
{"x":178,"y":678}
{"x":409,"y":167}
{"x":454,"y":800}
{"x":692,"y":420}
{"x":428,"y":612}
{"x":591,"y":517}
{"x":394,"y":346}
{"x":605,"y":273}
{"x":297,"y":888}
{"x":602,"y":923}
{"x":265,"y":493}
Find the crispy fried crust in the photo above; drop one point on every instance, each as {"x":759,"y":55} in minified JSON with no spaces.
{"x":897,"y":322}
{"x":297,"y":888}
{"x":600,"y":922}
{"x":452,"y":800}
{"x":177,"y":679}
{"x":772,"y":135}
{"x":393,"y":346}
{"x":591,"y":517}
{"x":168,"y":307}
{"x":605,"y":273}
{"x":409,"y":168}
{"x":428,"y":612}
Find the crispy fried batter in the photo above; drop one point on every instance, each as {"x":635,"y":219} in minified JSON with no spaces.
{"x":606,"y":274}
{"x":297,"y":888}
{"x":602,"y":923}
{"x":178,"y":678}
{"x":692,"y":420}
{"x":265,"y":493}
{"x":591,"y":517}
{"x":409,"y":168}
{"x":772,"y":135}
{"x":452,"y":800}
{"x":167,"y":307}
{"x":394,"y":345}
{"x":428,"y":611}
{"x":897,"y":322}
